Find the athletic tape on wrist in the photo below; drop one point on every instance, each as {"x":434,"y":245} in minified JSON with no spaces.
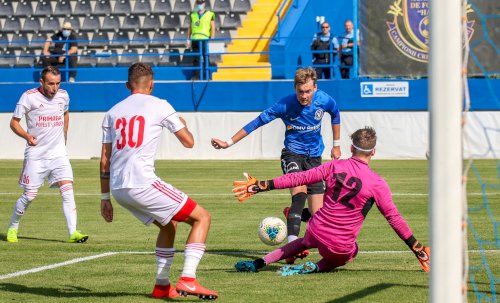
{"x":230,"y":142}
{"x":105,"y":196}
{"x":336,"y":143}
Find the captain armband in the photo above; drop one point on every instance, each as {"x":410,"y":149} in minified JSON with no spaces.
{"x":105,"y":175}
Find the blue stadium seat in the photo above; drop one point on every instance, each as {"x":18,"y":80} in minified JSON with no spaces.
{"x":122,"y":7}
{"x":131,"y":22}
{"x":62,"y":8}
{"x":170,"y":58}
{"x":151,"y":22}
{"x":111,"y":23}
{"x":6,"y":9}
{"x":11,"y":25}
{"x":102,"y":8}
{"x":171,"y":22}
{"x":161,"y":38}
{"x":43,"y":8}
{"x":222,"y":6}
{"x":241,"y":6}
{"x":182,"y":6}
{"x":162,"y":7}
{"x":142,"y":7}
{"x":82,"y":8}
{"x":31,"y":24}
{"x":128,"y":57}
{"x":24,"y":9}
{"x":151,"y":56}
{"x":50,"y":25}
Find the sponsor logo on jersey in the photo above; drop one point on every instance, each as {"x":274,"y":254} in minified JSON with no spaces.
{"x":409,"y":29}
{"x":303,"y":128}
{"x":291,"y":167}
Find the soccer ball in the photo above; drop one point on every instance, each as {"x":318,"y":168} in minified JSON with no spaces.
{"x":272,"y":231}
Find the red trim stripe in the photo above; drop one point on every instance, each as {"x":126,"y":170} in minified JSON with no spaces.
{"x":167,"y":191}
{"x":180,"y":195}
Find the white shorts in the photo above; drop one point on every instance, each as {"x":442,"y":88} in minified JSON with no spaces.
{"x":35,"y":171}
{"x":159,"y":201}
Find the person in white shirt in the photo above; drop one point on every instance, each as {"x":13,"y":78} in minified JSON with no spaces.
{"x":131,"y":132}
{"x":47,"y":118}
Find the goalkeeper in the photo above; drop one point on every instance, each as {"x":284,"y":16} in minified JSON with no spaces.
{"x":351,"y":190}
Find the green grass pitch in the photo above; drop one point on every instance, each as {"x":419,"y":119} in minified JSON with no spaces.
{"x":384,"y":271}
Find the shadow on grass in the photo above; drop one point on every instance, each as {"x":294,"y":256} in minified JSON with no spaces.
{"x":73,"y":292}
{"x":3,"y":237}
{"x":369,"y":291}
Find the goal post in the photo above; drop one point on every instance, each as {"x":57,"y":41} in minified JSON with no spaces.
{"x":445,"y":168}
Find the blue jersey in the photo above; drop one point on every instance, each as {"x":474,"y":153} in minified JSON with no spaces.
{"x":303,"y":123}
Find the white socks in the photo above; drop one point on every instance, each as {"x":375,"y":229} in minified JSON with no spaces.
{"x":164,"y":259}
{"x":21,"y":205}
{"x":69,"y":207}
{"x":192,"y":257}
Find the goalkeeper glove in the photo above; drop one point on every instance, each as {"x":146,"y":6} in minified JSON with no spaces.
{"x":245,"y":189}
{"x":423,"y":254}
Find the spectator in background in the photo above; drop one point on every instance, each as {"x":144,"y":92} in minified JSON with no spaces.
{"x":346,"y":54}
{"x":322,"y":42}
{"x":57,"y":55}
{"x":201,"y":29}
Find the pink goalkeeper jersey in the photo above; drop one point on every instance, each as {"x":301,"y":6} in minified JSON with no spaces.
{"x":352,"y":188}
{"x":134,"y":127}
{"x":44,"y":121}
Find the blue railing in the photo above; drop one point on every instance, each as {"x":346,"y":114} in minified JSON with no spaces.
{"x":207,"y":61}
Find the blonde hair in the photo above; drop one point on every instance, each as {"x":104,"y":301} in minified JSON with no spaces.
{"x":303,"y":75}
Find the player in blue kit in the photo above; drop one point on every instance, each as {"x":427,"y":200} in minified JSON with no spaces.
{"x":301,"y":113}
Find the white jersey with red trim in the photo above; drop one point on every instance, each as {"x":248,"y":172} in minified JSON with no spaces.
{"x":134,"y":127}
{"x":45,"y":121}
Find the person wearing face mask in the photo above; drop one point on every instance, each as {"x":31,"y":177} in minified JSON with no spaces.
{"x":201,"y":29}
{"x":57,"y":54}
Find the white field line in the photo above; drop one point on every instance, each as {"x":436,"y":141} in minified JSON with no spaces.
{"x":78,"y":260}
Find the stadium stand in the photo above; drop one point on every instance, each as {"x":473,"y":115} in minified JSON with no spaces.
{"x":147,"y":26}
{"x":128,"y":57}
{"x":7,"y":58}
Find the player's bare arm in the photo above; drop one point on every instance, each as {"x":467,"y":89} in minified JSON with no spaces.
{"x":106,"y":206}
{"x":185,"y":136}
{"x":336,"y":153}
{"x":16,"y":127}
{"x":220,"y":144}
{"x":66,"y":125}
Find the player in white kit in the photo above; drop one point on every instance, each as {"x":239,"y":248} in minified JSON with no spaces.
{"x":131,"y":133}
{"x":47,"y":118}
